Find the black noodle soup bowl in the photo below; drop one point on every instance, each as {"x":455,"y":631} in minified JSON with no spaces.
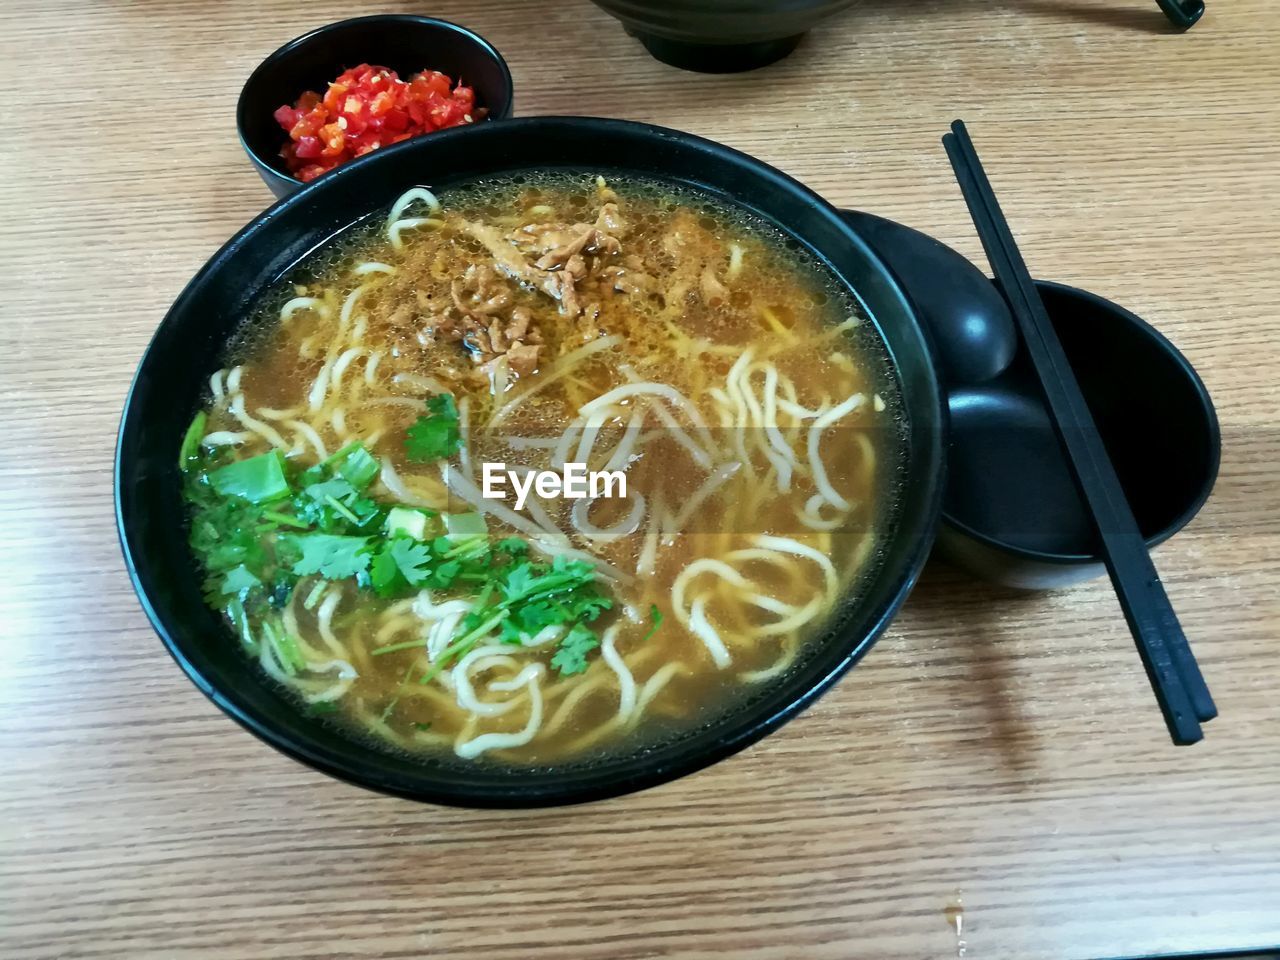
{"x":190,"y":344}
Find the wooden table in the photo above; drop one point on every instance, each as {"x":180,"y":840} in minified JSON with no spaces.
{"x":995,"y":747}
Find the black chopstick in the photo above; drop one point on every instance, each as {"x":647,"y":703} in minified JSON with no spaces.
{"x":1171,"y":667}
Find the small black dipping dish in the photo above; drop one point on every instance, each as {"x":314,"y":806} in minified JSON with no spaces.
{"x":1011,"y":512}
{"x":406,"y":44}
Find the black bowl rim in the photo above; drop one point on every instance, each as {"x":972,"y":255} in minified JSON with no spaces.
{"x":1164,"y":345}
{"x":643,"y":774}
{"x":265,"y":165}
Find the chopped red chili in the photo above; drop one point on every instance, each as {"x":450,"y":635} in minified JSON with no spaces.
{"x":365,"y":108}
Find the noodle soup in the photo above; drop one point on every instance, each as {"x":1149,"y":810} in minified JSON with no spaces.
{"x":336,"y":475}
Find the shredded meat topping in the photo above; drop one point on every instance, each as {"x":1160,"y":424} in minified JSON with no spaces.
{"x":486,"y":295}
{"x":576,"y":264}
{"x":481,"y":317}
{"x":599,"y":237}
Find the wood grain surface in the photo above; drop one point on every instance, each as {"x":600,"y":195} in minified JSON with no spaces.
{"x":999,"y":747}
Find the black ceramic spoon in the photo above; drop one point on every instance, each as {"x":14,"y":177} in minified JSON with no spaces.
{"x":967,"y":320}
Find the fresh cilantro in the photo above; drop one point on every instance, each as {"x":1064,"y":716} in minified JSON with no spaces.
{"x":384,"y":574}
{"x":513,"y":547}
{"x":529,"y":619}
{"x":404,"y":563}
{"x":571,"y":654}
{"x":227,"y":533}
{"x":332,"y":557}
{"x":445,"y":573}
{"x":332,"y":504}
{"x":261,"y":523}
{"x":337,"y":487}
{"x":519,"y":581}
{"x":575,"y":578}
{"x":434,"y":435}
{"x":412,"y":559}
{"x":540,"y":595}
{"x":418,"y":725}
{"x":238,"y":580}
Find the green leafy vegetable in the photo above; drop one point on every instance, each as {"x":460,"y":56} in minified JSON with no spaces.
{"x":412,"y":559}
{"x":332,"y":557}
{"x":339,"y":488}
{"x":332,"y":504}
{"x":259,"y":524}
{"x":512,"y":547}
{"x":571,"y":654}
{"x":529,"y":579}
{"x":228,"y":535}
{"x":238,"y":580}
{"x":384,"y":574}
{"x":435,"y":435}
{"x":535,"y":596}
{"x":257,"y":479}
{"x":403,"y":563}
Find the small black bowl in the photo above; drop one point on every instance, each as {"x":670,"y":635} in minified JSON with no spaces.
{"x":406,"y":44}
{"x":1011,"y":512}
{"x":715,"y":36}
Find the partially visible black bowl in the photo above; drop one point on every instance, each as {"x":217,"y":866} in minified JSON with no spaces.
{"x":1012,"y":514}
{"x":720,"y":36}
{"x":406,"y":44}
{"x":189,"y":346}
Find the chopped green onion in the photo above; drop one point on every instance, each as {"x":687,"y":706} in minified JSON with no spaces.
{"x":340,"y":454}
{"x":342,"y":511}
{"x":359,"y":467}
{"x":462,"y":645}
{"x":469,"y":548}
{"x":396,"y":647}
{"x":285,"y":520}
